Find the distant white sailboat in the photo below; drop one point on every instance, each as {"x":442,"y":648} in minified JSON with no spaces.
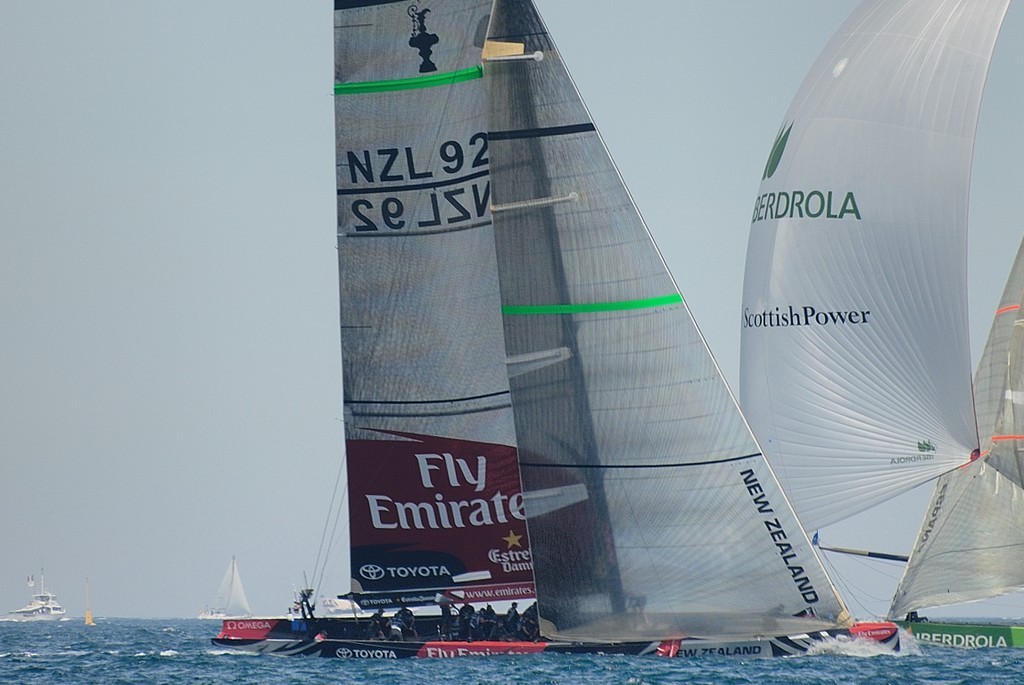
{"x":230,"y":601}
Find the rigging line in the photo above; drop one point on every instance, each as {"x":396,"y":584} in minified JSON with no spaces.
{"x":333,"y":537}
{"x":850,"y":590}
{"x":321,"y":552}
{"x":640,"y":466}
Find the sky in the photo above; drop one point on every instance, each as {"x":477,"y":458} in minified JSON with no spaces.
{"x":169,"y":357}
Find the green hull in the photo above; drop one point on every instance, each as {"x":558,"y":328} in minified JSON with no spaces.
{"x":965,"y":634}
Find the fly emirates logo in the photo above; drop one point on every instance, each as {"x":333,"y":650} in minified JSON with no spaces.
{"x":441,"y":476}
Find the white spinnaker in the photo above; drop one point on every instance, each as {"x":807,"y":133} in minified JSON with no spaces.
{"x":855,"y":359}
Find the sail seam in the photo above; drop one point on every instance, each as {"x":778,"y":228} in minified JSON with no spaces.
{"x":446,"y":79}
{"x":590,"y":307}
{"x":417,"y":233}
{"x":641,"y":466}
{"x":414,"y":186}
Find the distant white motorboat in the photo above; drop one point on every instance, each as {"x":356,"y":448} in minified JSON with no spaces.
{"x":230,"y":601}
{"x":43,"y":607}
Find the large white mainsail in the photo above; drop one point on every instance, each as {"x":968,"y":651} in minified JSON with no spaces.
{"x":855,"y":360}
{"x":684,"y":528}
{"x":971,"y":545}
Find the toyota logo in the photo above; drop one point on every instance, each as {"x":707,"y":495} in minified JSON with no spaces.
{"x":371,"y":572}
{"x":343,"y":653}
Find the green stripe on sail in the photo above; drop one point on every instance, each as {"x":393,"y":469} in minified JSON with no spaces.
{"x":445,"y":79}
{"x":584,"y":308}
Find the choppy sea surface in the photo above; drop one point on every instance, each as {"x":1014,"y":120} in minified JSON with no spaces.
{"x":176,"y":651}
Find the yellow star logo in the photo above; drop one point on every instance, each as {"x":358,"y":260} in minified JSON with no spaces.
{"x":513,"y":540}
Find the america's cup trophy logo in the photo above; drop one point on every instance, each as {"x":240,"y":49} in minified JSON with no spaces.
{"x":421,"y":39}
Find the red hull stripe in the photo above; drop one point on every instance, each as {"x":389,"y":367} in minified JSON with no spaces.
{"x":247,"y":629}
{"x":484,"y":647}
{"x":880,"y":631}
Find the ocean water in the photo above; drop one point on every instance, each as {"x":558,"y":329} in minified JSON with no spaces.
{"x":179,"y":652}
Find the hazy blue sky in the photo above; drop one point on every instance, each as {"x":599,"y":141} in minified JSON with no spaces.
{"x":169,"y":358}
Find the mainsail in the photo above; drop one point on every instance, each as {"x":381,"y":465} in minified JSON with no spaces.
{"x":855,"y":359}
{"x":855,"y":362}
{"x":560,"y":430}
{"x":435,"y":501}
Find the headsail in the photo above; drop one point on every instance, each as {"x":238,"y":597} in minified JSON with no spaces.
{"x":434,"y":494}
{"x":971,"y":545}
{"x":681,"y":527}
{"x":855,"y":368}
{"x":992,"y":379}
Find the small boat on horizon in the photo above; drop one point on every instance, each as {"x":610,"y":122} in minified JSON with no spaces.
{"x":43,"y":607}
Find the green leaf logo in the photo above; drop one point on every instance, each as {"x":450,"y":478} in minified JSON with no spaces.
{"x":777,"y":149}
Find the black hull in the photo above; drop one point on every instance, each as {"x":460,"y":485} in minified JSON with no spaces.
{"x":333,"y":638}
